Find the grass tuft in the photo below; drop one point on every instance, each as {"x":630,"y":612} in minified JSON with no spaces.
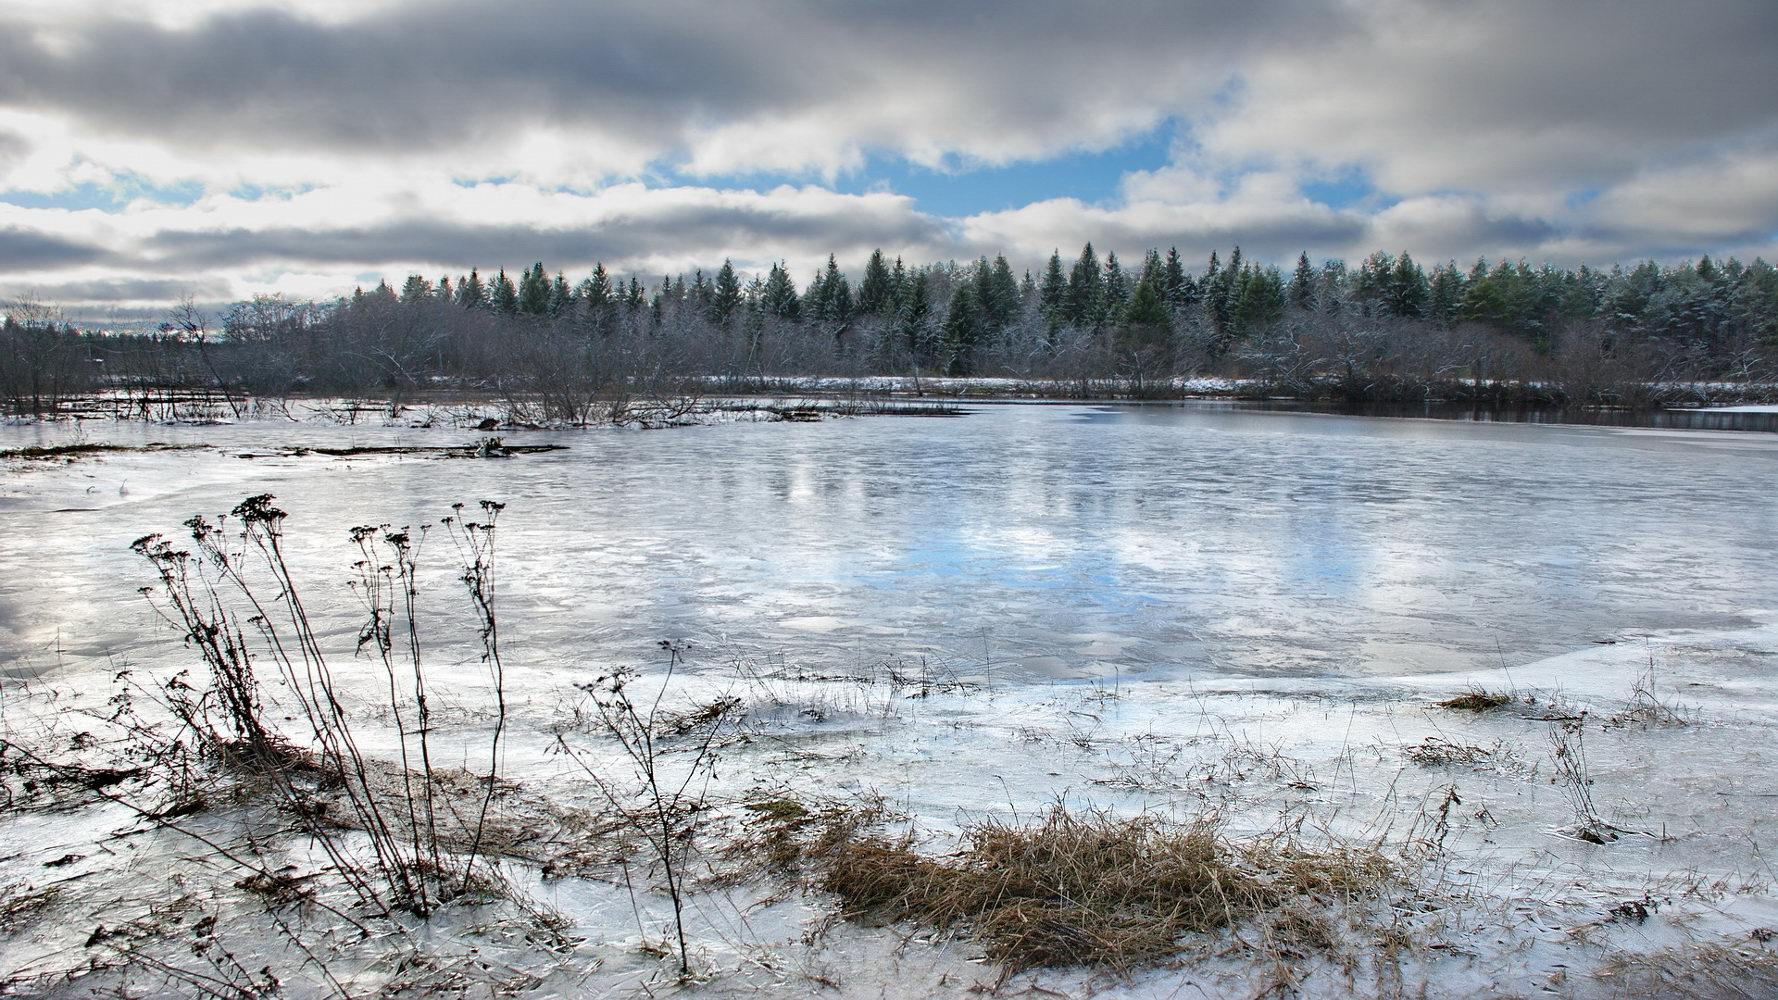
{"x":1477,"y":699}
{"x":1089,"y":888}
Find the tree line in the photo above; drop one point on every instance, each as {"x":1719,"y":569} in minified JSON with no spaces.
{"x":1387,"y":327}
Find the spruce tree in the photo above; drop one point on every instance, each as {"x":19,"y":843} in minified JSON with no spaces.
{"x":471,"y":293}
{"x":1116,"y":293}
{"x":1407,"y":289}
{"x":595,"y":289}
{"x":779,"y":297}
{"x":534,"y":291}
{"x":725,"y":297}
{"x":1303,"y":284}
{"x":997,"y":292}
{"x":875,"y":295}
{"x":965,"y":328}
{"x":502,"y":296}
{"x":1445,"y":296}
{"x":914,"y":313}
{"x":1052,"y":294}
{"x":415,"y":290}
{"x":1147,"y":315}
{"x":561,"y":297}
{"x":1085,"y":289}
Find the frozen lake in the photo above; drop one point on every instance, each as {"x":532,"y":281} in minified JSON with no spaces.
{"x":1037,"y":541}
{"x":1259,"y":611}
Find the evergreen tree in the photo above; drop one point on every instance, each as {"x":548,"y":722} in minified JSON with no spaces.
{"x":1052,"y":294}
{"x":503,"y":296}
{"x":997,"y":292}
{"x":561,"y":297}
{"x":1445,"y":296}
{"x":725,"y":297}
{"x":1116,"y":292}
{"x":534,"y":291}
{"x":1407,"y":289}
{"x":778,"y":297}
{"x":1147,"y":312}
{"x":915,"y":313}
{"x":1174,"y":287}
{"x":595,"y":289}
{"x":415,"y":290}
{"x":1303,"y":283}
{"x":471,"y":293}
{"x":1086,"y":298}
{"x":1259,"y":300}
{"x":833,"y":302}
{"x":875,"y":293}
{"x":965,"y":328}
{"x":898,"y":277}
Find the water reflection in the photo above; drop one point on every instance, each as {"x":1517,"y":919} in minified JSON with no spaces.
{"x":1057,"y":540}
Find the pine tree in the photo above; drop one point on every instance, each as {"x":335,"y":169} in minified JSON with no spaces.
{"x":914,"y":312}
{"x":595,"y":289}
{"x":471,"y":293}
{"x":965,"y":328}
{"x":1086,"y":297}
{"x":1303,"y":284}
{"x":1147,"y":313}
{"x":997,"y":292}
{"x":1407,"y":291}
{"x":503,"y":296}
{"x":534,"y":291}
{"x":1173,"y":287}
{"x":561,"y":297}
{"x":725,"y":297}
{"x":778,"y":297}
{"x":1116,"y":292}
{"x":1259,"y":300}
{"x":875,"y":294}
{"x":836,"y":294}
{"x":1052,"y":295}
{"x":898,"y":277}
{"x":1445,"y":296}
{"x":415,"y":290}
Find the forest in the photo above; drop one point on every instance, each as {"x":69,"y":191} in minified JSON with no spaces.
{"x":1387,"y":330}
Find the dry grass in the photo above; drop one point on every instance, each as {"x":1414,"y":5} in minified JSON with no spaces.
{"x":1436,"y":752}
{"x":1477,"y":699}
{"x":1093,"y":889}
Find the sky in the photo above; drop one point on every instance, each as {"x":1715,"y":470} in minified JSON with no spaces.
{"x":222,"y":148}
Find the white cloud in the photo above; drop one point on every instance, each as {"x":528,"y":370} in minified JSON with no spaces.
{"x":1583,"y":129}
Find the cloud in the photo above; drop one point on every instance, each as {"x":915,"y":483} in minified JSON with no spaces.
{"x":1265,"y":213}
{"x":25,"y":249}
{"x":321,"y":141}
{"x":1514,"y":96}
{"x":779,"y":84}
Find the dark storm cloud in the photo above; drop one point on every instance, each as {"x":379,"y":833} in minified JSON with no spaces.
{"x":29,"y":250}
{"x":686,"y":230}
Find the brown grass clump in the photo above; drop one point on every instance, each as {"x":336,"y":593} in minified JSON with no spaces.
{"x":1088,"y":889}
{"x":1476,"y":700}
